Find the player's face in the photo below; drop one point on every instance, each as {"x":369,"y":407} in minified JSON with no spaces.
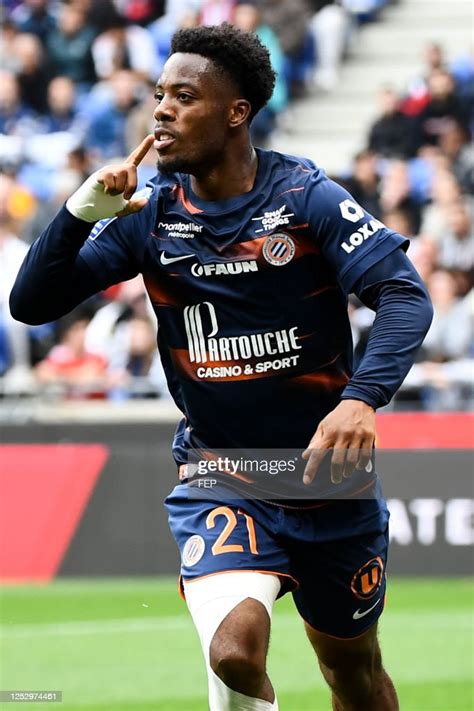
{"x":193,"y":105}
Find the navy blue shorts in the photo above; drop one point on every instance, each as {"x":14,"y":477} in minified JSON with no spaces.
{"x":331,"y":557}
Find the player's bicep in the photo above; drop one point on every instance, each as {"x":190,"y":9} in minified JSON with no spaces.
{"x":351,"y":239}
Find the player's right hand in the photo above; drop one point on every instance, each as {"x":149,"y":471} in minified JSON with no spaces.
{"x":109,"y":191}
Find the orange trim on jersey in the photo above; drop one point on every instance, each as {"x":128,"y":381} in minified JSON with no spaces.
{"x":166,"y":293}
{"x":292,"y":190}
{"x":252,"y":249}
{"x":330,"y":287}
{"x":298,"y":227}
{"x":186,"y":203}
{"x":241,"y":570}
{"x":325,"y":380}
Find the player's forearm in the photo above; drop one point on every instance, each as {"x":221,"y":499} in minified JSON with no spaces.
{"x":403,"y":317}
{"x":53,"y":279}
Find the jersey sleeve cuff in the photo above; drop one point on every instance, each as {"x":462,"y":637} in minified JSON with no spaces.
{"x":352,"y":392}
{"x":75,"y":231}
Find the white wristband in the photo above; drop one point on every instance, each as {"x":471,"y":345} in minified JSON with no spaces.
{"x":91,"y":204}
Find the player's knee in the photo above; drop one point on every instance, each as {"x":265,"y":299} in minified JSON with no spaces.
{"x":239,"y":669}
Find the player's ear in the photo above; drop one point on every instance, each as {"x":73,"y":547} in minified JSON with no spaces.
{"x":239,"y":112}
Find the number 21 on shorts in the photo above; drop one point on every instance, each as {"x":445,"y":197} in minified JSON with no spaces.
{"x":231,"y":521}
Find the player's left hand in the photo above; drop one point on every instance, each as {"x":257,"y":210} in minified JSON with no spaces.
{"x":349,"y":430}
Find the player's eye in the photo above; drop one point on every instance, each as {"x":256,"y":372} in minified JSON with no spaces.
{"x":184,"y":97}
{"x":158,"y":97}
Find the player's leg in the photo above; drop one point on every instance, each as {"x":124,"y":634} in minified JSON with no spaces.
{"x":232,"y":614}
{"x":353,"y":669}
{"x":339,"y":556}
{"x":231,"y":567}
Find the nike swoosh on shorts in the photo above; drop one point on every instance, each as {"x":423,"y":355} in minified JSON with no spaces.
{"x":358,"y":614}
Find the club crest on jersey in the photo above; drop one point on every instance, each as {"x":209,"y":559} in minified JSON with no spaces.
{"x":278,"y":249}
{"x":193,"y":551}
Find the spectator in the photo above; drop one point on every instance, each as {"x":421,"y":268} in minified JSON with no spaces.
{"x":395,"y":192}
{"x":423,"y":253}
{"x":35,"y":17}
{"x":69,"y":367}
{"x":61,"y":114}
{"x":179,"y":14}
{"x":392,"y":135}
{"x":445,"y":192}
{"x":123,"y":333}
{"x":364,"y":183}
{"x":330,"y":25}
{"x":69,"y":46}
{"x":124,"y":46}
{"x":289,"y":21}
{"x":141,"y":12}
{"x":442,"y":108}
{"x":418,"y":94}
{"x":9,"y":33}
{"x":106,"y":134}
{"x":15,"y":348}
{"x":456,"y":249}
{"x":399,"y":220}
{"x":455,"y":145}
{"x":450,"y":333}
{"x":15,"y":118}
{"x":249,"y":19}
{"x":31,"y":71}
{"x":215,"y":12}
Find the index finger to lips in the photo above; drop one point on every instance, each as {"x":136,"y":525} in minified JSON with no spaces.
{"x":136,"y":156}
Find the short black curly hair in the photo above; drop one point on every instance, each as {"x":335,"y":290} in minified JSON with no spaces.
{"x":240,"y":54}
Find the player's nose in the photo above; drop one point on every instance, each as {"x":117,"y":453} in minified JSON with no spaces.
{"x":164,"y":111}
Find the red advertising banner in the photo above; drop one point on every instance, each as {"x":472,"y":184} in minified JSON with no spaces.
{"x":44,"y":489}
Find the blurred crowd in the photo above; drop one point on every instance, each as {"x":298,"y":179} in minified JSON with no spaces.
{"x":416,"y":175}
{"x":76,"y":91}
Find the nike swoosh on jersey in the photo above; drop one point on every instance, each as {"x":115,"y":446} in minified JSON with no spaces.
{"x":358,"y":614}
{"x":169,"y":260}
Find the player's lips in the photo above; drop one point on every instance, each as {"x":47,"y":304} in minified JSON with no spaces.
{"x":163,"y":138}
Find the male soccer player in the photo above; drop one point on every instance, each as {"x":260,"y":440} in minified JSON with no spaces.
{"x":248,"y":257}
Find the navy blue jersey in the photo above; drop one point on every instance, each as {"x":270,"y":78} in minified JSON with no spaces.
{"x":250,"y":295}
{"x":251,"y":299}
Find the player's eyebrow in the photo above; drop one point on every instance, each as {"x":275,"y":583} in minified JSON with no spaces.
{"x":178,"y":85}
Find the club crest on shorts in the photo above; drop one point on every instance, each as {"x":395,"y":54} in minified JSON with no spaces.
{"x":279,"y":249}
{"x":193,"y":551}
{"x":368,"y":579}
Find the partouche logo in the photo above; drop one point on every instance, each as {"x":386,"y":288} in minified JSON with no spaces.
{"x":208,"y":348}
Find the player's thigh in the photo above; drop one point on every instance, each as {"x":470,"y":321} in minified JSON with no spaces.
{"x":232,"y":614}
{"x":342,"y":582}
{"x":226,"y":535}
